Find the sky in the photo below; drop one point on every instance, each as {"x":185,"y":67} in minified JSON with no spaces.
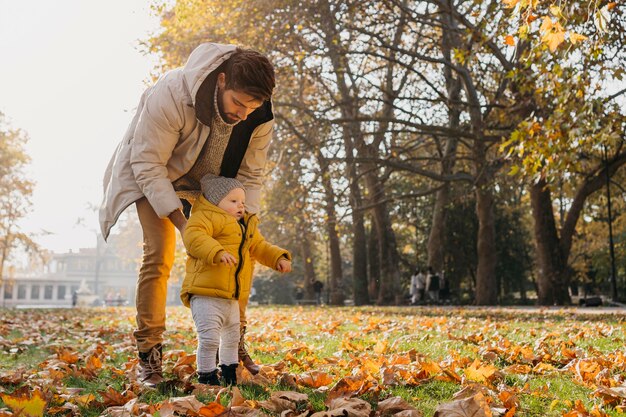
{"x":71,"y":74}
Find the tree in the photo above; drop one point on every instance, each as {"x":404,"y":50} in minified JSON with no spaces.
{"x":573,"y":136}
{"x":15,"y":192}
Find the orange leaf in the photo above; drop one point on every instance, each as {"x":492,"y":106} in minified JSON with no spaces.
{"x":510,"y":3}
{"x":212,"y":410}
{"x":509,"y":40}
{"x":542,"y":368}
{"x":432,"y":368}
{"x":26,"y":405}
{"x":315,"y":379}
{"x":480,"y":373}
{"x":67,"y":356}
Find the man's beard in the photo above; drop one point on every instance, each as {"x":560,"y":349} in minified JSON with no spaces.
{"x":220,"y":106}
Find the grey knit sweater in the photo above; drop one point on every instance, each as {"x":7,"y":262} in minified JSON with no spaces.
{"x":210,"y":157}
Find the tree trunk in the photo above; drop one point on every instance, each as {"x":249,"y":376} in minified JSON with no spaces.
{"x":309,"y":268}
{"x":373,"y":264}
{"x":486,"y":285}
{"x":388,"y":257}
{"x":437,"y":235}
{"x":552,"y":280}
{"x":359,"y":251}
{"x":336,"y":271}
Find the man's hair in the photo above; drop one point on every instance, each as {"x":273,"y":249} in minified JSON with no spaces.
{"x":250,"y":72}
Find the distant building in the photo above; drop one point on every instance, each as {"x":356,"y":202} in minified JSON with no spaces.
{"x":110,"y":278}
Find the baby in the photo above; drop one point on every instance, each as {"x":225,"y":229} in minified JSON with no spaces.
{"x":222,"y":240}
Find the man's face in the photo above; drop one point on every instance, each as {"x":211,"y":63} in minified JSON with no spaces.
{"x":233,"y":203}
{"x":234,"y":105}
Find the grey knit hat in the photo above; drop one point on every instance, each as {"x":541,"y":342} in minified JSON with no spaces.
{"x":214,"y":187}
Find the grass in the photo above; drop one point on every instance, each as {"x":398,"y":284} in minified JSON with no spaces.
{"x":339,"y":342}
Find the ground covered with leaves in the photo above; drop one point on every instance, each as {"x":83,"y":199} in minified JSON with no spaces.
{"x":325,"y":362}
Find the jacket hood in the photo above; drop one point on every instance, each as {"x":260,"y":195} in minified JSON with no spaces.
{"x":202,"y":61}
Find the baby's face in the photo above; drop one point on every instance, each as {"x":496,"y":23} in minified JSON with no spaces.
{"x":233,"y":202}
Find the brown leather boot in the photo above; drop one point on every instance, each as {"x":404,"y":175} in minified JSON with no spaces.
{"x":150,"y":370}
{"x":244,"y":357}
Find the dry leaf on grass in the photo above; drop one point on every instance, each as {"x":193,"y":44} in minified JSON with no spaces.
{"x":408,"y":413}
{"x":475,"y":406}
{"x":314,"y":379}
{"x":280,"y":401}
{"x":354,"y":407}
{"x":350,"y":386}
{"x":611,"y":396}
{"x":185,"y":405}
{"x":24,"y":403}
{"x":394,"y":405}
{"x":213,"y":409}
{"x":240,"y":411}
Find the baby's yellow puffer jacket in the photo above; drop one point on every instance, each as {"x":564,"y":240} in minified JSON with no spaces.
{"x":210,"y":230}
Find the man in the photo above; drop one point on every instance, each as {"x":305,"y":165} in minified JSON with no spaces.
{"x":212,"y":115}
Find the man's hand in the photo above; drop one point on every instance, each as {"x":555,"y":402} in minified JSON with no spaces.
{"x":284,"y":265}
{"x":178,"y":218}
{"x":228,"y":259}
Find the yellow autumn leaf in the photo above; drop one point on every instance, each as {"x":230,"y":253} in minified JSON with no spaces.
{"x":553,"y":39}
{"x":543,"y":368}
{"x":381,"y":347}
{"x":555,"y":10}
{"x":478,"y":372}
{"x":22,"y":404}
{"x":546,"y":25}
{"x":574,"y":37}
{"x":510,"y":3}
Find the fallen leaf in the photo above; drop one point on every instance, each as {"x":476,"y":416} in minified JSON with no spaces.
{"x":354,"y":407}
{"x":280,"y":401}
{"x":237,"y":399}
{"x":611,"y":396}
{"x":184,"y":405}
{"x":24,"y":403}
{"x":394,"y":405}
{"x":212,"y":409}
{"x":475,"y":406}
{"x":314,"y":379}
{"x":479,"y":372}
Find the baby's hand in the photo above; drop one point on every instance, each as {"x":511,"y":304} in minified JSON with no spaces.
{"x":228,"y":259}
{"x":284,"y":265}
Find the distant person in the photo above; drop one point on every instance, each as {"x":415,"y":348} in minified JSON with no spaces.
{"x":299,"y":294}
{"x":432,"y":285}
{"x":213,"y":115}
{"x":221,"y":241}
{"x":318,"y":286}
{"x":74,"y":298}
{"x":418,"y":285}
{"x":444,"y":288}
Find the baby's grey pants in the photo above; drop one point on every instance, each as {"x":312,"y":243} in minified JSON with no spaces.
{"x":217,"y":325}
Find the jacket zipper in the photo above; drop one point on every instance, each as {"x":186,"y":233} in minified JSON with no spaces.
{"x":240,"y":264}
